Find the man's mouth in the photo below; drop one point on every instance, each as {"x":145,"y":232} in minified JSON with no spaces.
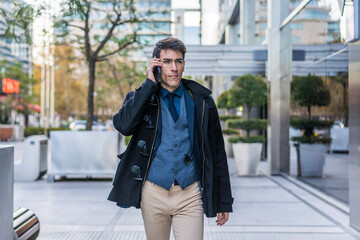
{"x":174,"y":76}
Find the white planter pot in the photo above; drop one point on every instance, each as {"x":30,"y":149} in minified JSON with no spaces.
{"x":228,"y":147}
{"x":312,"y":159}
{"x":247,"y":157}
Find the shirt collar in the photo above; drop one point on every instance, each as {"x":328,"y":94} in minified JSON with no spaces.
{"x":178,"y":92}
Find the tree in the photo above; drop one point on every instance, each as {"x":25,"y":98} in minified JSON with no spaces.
{"x":25,"y":97}
{"x":249,"y":91}
{"x":343,"y":80}
{"x":123,"y":74}
{"x":309,"y":91}
{"x":78,"y":25}
{"x":21,"y":17}
{"x":70,"y":93}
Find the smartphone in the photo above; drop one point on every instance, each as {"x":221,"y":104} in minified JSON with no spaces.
{"x":157,"y":72}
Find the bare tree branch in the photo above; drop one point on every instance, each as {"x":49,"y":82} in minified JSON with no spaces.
{"x":118,"y":49}
{"x":71,"y":25}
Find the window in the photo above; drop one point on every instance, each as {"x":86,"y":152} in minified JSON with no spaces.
{"x":296,"y":26}
{"x":333,"y":27}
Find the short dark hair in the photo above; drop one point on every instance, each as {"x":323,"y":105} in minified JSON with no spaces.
{"x":169,"y":43}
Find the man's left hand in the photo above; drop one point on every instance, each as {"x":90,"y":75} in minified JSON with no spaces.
{"x":222,"y":218}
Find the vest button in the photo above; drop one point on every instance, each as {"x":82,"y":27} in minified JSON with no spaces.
{"x":175,"y":145}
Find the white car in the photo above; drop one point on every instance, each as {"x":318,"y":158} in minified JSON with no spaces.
{"x":81,"y":125}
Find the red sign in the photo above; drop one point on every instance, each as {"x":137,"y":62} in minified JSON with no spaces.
{"x":10,"y":85}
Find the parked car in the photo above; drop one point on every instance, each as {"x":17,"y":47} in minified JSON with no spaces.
{"x":81,"y":125}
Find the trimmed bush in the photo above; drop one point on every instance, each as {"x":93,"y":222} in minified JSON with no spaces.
{"x":247,"y":125}
{"x":250,"y":139}
{"x":222,"y":100}
{"x":227,"y":117}
{"x":309,"y":125}
{"x":41,"y":131}
{"x":229,"y":131}
{"x":312,"y":139}
{"x":28,"y":131}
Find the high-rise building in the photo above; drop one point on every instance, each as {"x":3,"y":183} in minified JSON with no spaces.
{"x":312,"y":26}
{"x":11,"y":50}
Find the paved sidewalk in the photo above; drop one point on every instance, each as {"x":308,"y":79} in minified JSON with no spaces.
{"x":266,"y":208}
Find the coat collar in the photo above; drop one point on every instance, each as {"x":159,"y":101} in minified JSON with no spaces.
{"x":196,"y":88}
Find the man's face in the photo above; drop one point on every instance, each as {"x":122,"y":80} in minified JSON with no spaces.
{"x":172,"y":69}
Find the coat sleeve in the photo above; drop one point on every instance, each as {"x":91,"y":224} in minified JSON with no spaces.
{"x":131,"y":112}
{"x":225,"y":199}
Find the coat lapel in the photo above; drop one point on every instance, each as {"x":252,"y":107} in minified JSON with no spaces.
{"x":190,"y":110}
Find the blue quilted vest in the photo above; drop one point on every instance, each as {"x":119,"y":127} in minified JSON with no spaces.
{"x":168,"y":165}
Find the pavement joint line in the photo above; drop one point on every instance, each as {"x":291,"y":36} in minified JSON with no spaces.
{"x":330,"y":200}
{"x":110,"y":226}
{"x":348,"y":229}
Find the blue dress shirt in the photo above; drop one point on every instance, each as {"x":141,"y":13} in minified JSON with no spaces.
{"x":178,"y":94}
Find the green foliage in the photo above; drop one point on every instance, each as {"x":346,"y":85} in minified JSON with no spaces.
{"x":309,"y":91}
{"x":28,"y":131}
{"x":222,"y":100}
{"x":249,"y":91}
{"x":127,"y":140}
{"x":21,"y":17}
{"x":312,"y":139}
{"x":229,"y":131}
{"x":309,"y":125}
{"x":42,"y":131}
{"x":250,"y":139}
{"x":227,"y":117}
{"x":249,"y":124}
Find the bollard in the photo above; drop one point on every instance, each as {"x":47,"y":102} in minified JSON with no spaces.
{"x":26,"y":224}
{"x":6,"y":191}
{"x":33,"y":164}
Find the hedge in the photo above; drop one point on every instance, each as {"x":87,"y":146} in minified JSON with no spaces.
{"x":250,"y":139}
{"x":312,"y":139}
{"x":249,"y":124}
{"x":229,"y":131}
{"x":227,"y":117}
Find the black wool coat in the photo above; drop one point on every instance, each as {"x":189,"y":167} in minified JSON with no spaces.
{"x":139,"y":117}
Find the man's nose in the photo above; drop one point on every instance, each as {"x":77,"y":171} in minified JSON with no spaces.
{"x":173,"y":66}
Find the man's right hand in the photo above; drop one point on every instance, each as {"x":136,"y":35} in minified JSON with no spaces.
{"x":150,"y":68}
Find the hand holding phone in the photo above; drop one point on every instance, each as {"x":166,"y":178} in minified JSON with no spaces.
{"x":154,"y":66}
{"x":157,"y":73}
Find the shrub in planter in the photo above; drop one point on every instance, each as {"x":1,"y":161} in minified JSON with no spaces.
{"x":309,"y":125}
{"x":247,"y":125}
{"x":228,"y":117}
{"x":247,"y":150}
{"x":227,"y":133}
{"x":250,"y":139}
{"x":307,"y":92}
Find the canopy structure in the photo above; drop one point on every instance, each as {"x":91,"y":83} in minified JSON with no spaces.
{"x":237,"y":60}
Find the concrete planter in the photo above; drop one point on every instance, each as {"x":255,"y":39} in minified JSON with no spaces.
{"x":228,"y":146}
{"x":247,"y":158}
{"x":87,"y":153}
{"x":312,"y":159}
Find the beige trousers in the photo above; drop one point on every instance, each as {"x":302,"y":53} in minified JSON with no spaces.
{"x":182,"y":209}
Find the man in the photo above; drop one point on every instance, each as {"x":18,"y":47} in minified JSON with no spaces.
{"x":175,"y":166}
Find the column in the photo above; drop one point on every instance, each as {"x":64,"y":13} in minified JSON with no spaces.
{"x":279,"y":75}
{"x":354,"y":133}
